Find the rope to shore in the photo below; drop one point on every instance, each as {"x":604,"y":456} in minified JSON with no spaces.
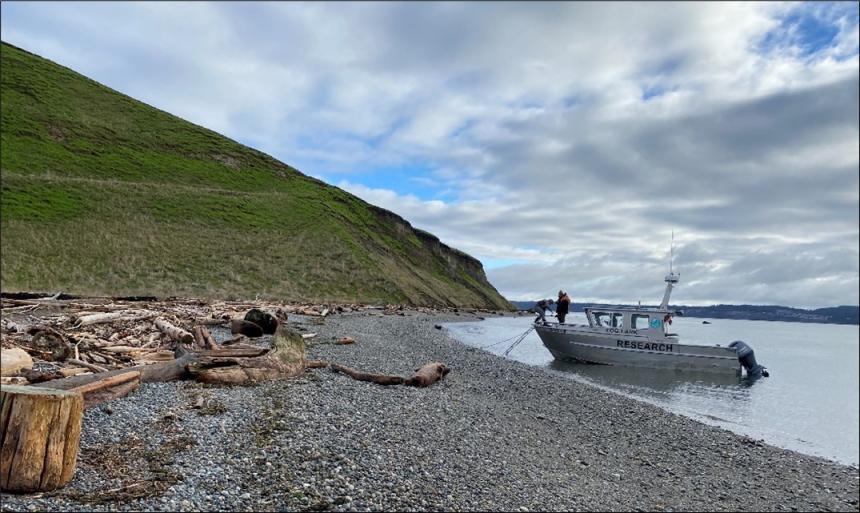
{"x":518,"y":341}
{"x":493,"y":344}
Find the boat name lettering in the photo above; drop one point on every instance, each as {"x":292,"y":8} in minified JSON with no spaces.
{"x":649,"y":346}
{"x":618,"y":331}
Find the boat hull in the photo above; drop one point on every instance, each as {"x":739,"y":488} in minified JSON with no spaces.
{"x":589,"y":345}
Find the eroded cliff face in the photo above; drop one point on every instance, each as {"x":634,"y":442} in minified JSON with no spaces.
{"x":460,"y":268}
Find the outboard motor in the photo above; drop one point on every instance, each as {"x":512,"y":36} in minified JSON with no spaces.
{"x":747,"y":358}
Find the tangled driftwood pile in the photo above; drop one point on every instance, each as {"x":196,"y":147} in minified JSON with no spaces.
{"x":81,"y":352}
{"x":97,"y":334}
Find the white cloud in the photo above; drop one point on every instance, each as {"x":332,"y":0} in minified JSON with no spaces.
{"x":571,"y":136}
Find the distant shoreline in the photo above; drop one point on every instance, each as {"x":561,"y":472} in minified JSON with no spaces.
{"x":832,"y":315}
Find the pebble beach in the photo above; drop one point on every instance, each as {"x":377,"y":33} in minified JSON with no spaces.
{"x":495,"y":434}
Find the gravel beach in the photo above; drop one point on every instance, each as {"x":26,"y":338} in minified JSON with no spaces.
{"x":495,"y":434}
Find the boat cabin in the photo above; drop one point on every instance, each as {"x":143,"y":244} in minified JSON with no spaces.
{"x":630,"y":320}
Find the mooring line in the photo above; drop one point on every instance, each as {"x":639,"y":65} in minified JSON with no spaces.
{"x":518,"y":341}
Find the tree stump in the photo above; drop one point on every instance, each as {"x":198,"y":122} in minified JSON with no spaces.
{"x":40,"y":431}
{"x":285,"y":360}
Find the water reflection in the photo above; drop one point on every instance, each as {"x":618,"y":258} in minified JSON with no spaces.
{"x":658,"y":380}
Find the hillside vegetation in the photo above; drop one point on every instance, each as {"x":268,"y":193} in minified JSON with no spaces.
{"x":103,"y":194}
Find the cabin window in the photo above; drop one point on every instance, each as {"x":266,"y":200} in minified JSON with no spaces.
{"x":640,"y":322}
{"x":617,"y":320}
{"x":601,"y":319}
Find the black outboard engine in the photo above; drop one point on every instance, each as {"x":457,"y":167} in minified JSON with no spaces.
{"x":747,"y":358}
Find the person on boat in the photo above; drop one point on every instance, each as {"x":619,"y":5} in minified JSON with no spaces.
{"x":667,"y":321}
{"x":540,"y":307}
{"x":563,"y":306}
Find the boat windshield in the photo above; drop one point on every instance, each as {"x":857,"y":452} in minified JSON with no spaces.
{"x":608,"y":319}
{"x":601,"y":319}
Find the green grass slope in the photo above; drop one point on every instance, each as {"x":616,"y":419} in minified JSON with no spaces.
{"x":103,"y":194}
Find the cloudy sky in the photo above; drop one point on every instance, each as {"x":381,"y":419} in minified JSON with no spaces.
{"x":559,"y":143}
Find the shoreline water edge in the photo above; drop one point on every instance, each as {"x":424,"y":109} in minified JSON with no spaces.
{"x":495,"y":434}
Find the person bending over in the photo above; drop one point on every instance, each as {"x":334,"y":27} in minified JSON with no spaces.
{"x":540,"y":307}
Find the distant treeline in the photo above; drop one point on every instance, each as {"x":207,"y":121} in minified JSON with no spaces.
{"x":831,"y":315}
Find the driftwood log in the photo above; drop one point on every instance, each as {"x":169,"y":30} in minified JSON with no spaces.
{"x":108,"y":388}
{"x":101,"y":318}
{"x":40,"y":431}
{"x":204,"y":339}
{"x":177,"y":334}
{"x":165,"y":371}
{"x":379,"y":379}
{"x":424,"y":376}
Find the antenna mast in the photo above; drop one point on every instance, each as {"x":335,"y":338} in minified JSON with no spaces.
{"x":672,"y":251}
{"x":671,"y":278}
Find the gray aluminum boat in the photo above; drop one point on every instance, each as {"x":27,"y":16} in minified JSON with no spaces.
{"x":640,"y":337}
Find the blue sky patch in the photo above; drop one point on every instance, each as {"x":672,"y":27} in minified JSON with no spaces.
{"x":810,"y":28}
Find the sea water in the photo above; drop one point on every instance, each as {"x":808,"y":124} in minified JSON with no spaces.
{"x":808,"y":404}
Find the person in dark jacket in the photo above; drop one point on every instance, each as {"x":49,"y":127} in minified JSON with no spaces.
{"x":563,"y":306}
{"x":540,"y":307}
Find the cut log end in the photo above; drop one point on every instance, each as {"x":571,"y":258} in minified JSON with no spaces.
{"x":40,"y":430}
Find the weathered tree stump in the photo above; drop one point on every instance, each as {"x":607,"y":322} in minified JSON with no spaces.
{"x":50,"y":343}
{"x":285,"y":360}
{"x":40,"y":431}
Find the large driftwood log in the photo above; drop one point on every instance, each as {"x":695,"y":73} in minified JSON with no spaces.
{"x":166,"y":371}
{"x":177,"y":334}
{"x":108,"y":388}
{"x":424,"y":376}
{"x":40,"y":432}
{"x":101,"y":318}
{"x":286,"y":359}
{"x":379,"y":379}
{"x":14,"y":360}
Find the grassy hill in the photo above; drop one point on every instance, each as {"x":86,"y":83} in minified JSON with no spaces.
{"x":103,"y":194}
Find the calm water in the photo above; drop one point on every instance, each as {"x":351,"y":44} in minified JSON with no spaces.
{"x":808,"y":404}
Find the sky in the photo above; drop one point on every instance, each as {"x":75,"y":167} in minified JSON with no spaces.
{"x":562,"y":144}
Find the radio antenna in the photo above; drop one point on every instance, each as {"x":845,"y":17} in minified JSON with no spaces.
{"x":671,"y":278}
{"x":672,"y":251}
